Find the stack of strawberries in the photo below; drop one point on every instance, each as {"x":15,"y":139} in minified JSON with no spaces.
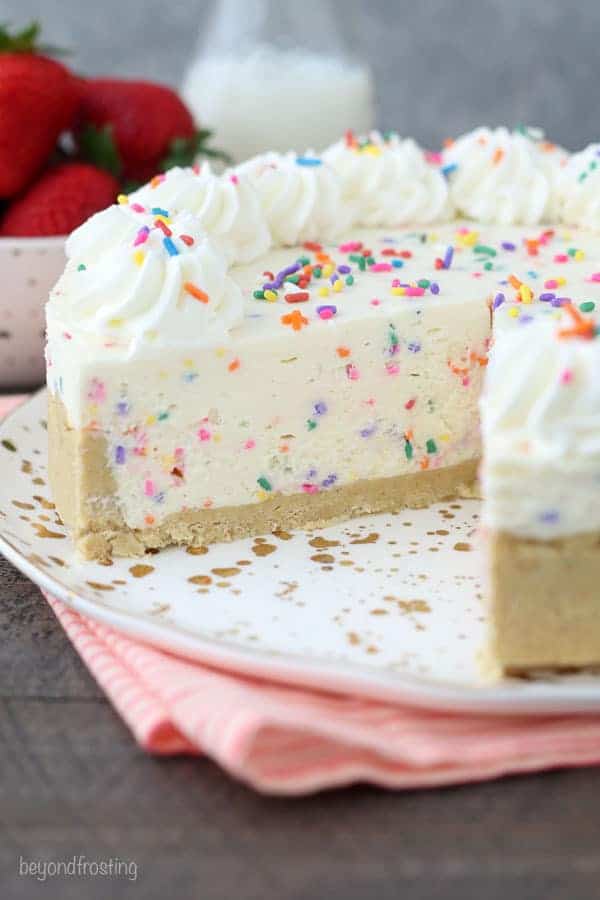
{"x":69,"y":145}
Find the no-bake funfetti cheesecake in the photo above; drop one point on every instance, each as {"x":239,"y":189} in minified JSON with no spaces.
{"x":306,"y":338}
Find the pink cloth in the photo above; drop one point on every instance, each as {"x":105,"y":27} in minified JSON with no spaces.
{"x":287,"y":740}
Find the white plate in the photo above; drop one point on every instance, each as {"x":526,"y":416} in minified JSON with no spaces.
{"x":387,"y":606}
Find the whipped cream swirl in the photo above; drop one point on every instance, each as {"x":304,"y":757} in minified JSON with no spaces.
{"x":301,"y":196}
{"x":579,"y":188}
{"x":541,"y":426}
{"x":388,"y":181}
{"x":500,"y":176}
{"x":150,"y":280}
{"x":227,"y":206}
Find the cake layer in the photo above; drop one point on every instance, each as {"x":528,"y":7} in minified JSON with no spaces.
{"x":85,"y":495}
{"x":545,"y":601}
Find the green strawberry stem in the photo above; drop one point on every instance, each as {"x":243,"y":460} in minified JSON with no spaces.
{"x":98,"y":146}
{"x":26,"y":41}
{"x":183,"y":151}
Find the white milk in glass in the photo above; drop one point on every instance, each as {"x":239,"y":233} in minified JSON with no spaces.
{"x":258,"y":88}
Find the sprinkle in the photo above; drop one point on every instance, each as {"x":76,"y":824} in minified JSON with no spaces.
{"x":498,"y":300}
{"x":326,"y":312}
{"x":320,"y":408}
{"x":120,"y":455}
{"x":561,"y":258}
{"x":323,"y":291}
{"x":392,"y":368}
{"x":295,"y":319}
{"x":350,"y":247}
{"x":311,"y":424}
{"x":195,"y":292}
{"x":498,"y":155}
{"x":142,"y":236}
{"x":448,"y":169}
{"x":138,"y":208}
{"x":122,"y":199}
{"x":546,"y":297}
{"x":187,"y":239}
{"x":508,"y":245}
{"x":234,"y":365}
{"x":410,"y":403}
{"x":431,"y":446}
{"x":566,"y":376}
{"x":582,"y":328}
{"x":159,"y":211}
{"x":408,"y":448}
{"x":264,"y":483}
{"x":271,"y":296}
{"x":259,"y":295}
{"x":204,"y":434}
{"x":138,"y":257}
{"x":159,"y":223}
{"x":81,"y":267}
{"x":170,"y":247}
{"x":448,"y":256}
{"x":352,"y":372}
{"x":234,"y":179}
{"x":312,"y":246}
{"x":350,"y":280}
{"x":343,"y":352}
{"x":308,"y":161}
{"x":434,"y":287}
{"x":381,"y":267}
{"x":525,"y":293}
{"x":587,"y":306}
{"x":484,"y":249}
{"x":297,"y":297}
{"x":149,"y":487}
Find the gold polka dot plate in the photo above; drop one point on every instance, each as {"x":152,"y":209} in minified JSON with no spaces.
{"x":388,"y":606}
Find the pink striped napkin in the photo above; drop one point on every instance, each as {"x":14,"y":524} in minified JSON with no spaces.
{"x":288,"y":740}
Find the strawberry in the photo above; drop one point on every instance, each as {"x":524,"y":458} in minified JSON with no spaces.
{"x":38,"y":100}
{"x":136,"y":128}
{"x":59,"y":201}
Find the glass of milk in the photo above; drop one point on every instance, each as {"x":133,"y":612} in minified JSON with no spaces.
{"x":276,"y":75}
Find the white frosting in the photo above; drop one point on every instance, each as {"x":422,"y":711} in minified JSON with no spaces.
{"x":388,"y":181}
{"x":579,"y":189}
{"x":500,"y":176}
{"x":300,"y":196}
{"x":541,"y":431}
{"x":227,"y":206}
{"x":136,"y":293}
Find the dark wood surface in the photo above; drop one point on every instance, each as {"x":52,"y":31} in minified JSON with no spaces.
{"x":72,"y":781}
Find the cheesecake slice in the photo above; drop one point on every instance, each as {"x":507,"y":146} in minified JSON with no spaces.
{"x":193,"y":403}
{"x":541,"y":480}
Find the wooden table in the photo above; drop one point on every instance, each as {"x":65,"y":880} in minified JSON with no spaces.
{"x":73,"y":782}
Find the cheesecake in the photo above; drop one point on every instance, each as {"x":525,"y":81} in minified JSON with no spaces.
{"x":306,"y":338}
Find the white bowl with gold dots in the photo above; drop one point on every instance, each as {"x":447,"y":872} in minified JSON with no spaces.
{"x":30,"y":267}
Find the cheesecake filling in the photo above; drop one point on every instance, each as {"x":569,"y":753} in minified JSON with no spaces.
{"x":359,"y":374}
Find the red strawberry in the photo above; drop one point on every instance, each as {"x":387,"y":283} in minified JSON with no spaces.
{"x":59,"y":201}
{"x":145,"y":119}
{"x":38,"y":100}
